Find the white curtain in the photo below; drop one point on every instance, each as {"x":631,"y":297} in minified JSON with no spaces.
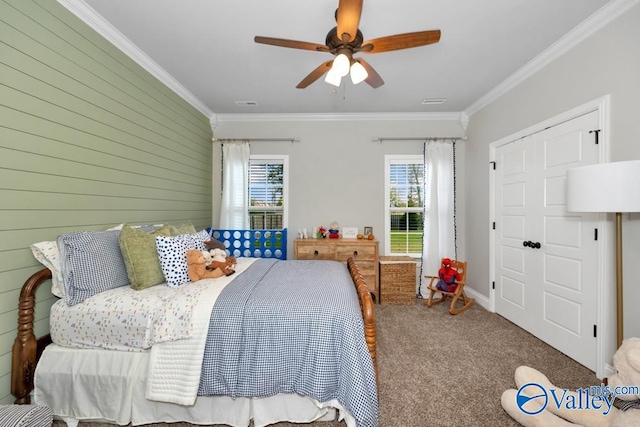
{"x":234,"y":208}
{"x":439,"y":239}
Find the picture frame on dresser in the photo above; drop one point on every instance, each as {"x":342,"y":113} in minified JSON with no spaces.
{"x":367,"y":230}
{"x":350,"y":232}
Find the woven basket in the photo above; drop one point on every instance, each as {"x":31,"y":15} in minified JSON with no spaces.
{"x":397,"y":280}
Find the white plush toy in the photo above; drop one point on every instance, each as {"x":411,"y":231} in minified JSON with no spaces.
{"x":218,"y":255}
{"x":587,"y":407}
{"x":207,"y":257}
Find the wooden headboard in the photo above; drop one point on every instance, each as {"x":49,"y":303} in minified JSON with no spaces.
{"x":26,"y":348}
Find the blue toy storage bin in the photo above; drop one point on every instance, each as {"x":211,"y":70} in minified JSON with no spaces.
{"x":253,"y":243}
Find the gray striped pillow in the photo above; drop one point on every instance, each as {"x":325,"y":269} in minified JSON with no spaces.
{"x":25,"y":416}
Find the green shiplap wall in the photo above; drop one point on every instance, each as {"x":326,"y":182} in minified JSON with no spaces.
{"x":88,"y":140}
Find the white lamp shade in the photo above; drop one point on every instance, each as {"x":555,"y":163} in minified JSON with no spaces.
{"x":333,"y":78}
{"x":341,"y":65}
{"x":358,"y":73}
{"x":606,"y":187}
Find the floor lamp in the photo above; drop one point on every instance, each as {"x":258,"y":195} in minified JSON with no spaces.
{"x":607,"y":187}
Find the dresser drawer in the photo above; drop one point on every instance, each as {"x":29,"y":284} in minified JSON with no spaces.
{"x":358,"y":252}
{"x":367,"y":268}
{"x":311,"y":251}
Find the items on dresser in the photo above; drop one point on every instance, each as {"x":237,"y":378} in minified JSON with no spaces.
{"x":364,"y":252}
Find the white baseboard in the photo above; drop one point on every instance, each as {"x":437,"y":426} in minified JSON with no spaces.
{"x":480,"y":299}
{"x":608,"y":371}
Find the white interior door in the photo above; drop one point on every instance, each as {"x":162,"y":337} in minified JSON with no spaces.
{"x":513,"y":181}
{"x":546,"y":258}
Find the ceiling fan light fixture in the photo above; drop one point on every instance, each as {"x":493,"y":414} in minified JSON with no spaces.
{"x":341,"y":65}
{"x":358,"y":73}
{"x":333,"y":78}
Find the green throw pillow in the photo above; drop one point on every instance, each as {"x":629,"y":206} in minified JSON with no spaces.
{"x":141,"y":257}
{"x":186,"y":228}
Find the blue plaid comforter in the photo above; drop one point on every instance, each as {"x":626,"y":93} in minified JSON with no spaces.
{"x":291,"y":327}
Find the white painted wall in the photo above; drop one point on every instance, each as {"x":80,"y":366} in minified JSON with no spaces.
{"x":608,"y":62}
{"x":336,"y":171}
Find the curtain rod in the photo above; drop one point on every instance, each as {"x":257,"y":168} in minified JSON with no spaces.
{"x":292,"y":140}
{"x":426,"y":138}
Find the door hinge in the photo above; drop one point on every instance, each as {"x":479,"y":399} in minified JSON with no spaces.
{"x":494,"y":225}
{"x":493,"y":285}
{"x":595,"y":234}
{"x":597,"y":132}
{"x":494,"y":165}
{"x":595,"y":331}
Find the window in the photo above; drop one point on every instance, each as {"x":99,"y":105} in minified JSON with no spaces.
{"x":404,"y":204}
{"x":268,"y":191}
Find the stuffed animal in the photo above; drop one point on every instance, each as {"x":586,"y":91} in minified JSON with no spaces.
{"x":591,"y":406}
{"x":207,"y":257}
{"x":448,"y":277}
{"x":197,"y":268}
{"x":219,"y":259}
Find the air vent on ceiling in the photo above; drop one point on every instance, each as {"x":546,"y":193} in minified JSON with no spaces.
{"x":246,"y":103}
{"x":433,"y":101}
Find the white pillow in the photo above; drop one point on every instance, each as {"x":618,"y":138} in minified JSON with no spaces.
{"x":47,"y":254}
{"x":172,"y":252}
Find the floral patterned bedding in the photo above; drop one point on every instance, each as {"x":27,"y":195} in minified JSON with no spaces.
{"x":126,"y":319}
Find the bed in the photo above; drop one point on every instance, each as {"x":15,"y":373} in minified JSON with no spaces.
{"x":240,"y":376}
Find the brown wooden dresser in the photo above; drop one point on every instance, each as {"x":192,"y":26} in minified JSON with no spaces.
{"x":364,"y":253}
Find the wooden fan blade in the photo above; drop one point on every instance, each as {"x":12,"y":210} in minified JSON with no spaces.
{"x":348,"y":19}
{"x":373,"y":79}
{"x":315,"y":74}
{"x":401,"y":41}
{"x":294,"y":44}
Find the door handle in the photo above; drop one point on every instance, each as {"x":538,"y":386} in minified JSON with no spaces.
{"x":530,"y":244}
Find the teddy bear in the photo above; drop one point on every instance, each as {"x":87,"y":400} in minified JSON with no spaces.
{"x":197,"y":267}
{"x":538,"y":402}
{"x":219,"y":259}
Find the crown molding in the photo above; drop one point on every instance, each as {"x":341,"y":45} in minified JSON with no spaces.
{"x":321,"y":117}
{"x":100,"y":25}
{"x":591,"y":25}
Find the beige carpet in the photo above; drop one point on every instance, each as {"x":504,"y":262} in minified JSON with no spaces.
{"x":443,"y":370}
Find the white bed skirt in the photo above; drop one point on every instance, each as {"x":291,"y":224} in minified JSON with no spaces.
{"x":109,"y":386}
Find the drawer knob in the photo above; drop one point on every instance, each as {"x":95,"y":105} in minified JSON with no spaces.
{"x":355,"y":253}
{"x":315,"y":252}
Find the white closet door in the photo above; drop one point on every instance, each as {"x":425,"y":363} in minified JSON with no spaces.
{"x":547,"y":283}
{"x":513,"y":180}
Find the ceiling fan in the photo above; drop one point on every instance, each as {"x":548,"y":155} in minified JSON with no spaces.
{"x":344,"y":40}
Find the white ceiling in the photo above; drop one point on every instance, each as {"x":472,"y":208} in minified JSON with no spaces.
{"x":207,"y":46}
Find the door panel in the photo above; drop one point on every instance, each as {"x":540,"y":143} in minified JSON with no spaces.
{"x":563,"y":272}
{"x":564,"y":148}
{"x":549,"y":290}
{"x":512,"y":291}
{"x":555,"y":191}
{"x":563,"y":314}
{"x":562,"y":231}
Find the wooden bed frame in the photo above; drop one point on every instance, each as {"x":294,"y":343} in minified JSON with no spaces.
{"x":27,"y":349}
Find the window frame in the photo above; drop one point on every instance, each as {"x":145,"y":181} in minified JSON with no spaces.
{"x":269,"y":158}
{"x":392,"y":159}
